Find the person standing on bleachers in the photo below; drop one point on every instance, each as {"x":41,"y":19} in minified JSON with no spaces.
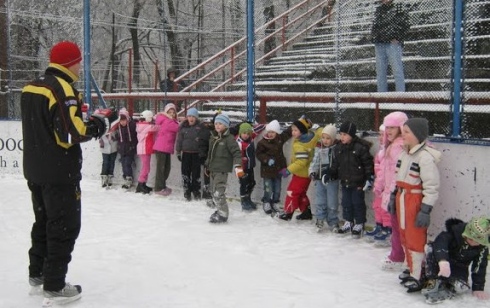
{"x":390,"y":26}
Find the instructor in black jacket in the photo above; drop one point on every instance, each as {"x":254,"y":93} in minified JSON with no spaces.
{"x":53,"y":129}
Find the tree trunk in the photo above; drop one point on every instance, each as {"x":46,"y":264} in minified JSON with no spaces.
{"x":177,"y":60}
{"x":133,"y":30}
{"x":270,"y":43}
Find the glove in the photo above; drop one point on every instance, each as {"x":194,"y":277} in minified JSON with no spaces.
{"x":444,"y":269}
{"x":284,"y":172}
{"x":179,"y":157}
{"x":369,"y":184}
{"x":239,"y":172}
{"x":271,"y":162}
{"x":392,"y":203}
{"x":423,"y":216}
{"x":109,"y":113}
{"x":315,"y":126}
{"x":98,"y":125}
{"x":313,"y":176}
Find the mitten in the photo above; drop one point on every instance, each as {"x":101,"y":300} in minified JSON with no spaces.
{"x":423,"y":216}
{"x":284,"y":172}
{"x":98,"y":126}
{"x":369,"y":184}
{"x":239,"y":172}
{"x":179,"y":156}
{"x":444,"y":269}
{"x":392,"y":203}
{"x":271,"y":162}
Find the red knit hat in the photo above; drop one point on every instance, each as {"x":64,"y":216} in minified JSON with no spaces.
{"x":65,"y":53}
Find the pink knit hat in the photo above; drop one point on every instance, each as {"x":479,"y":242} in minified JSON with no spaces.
{"x":394,"y":119}
{"x":168,"y":107}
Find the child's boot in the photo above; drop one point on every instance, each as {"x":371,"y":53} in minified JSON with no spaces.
{"x":128,"y":182}
{"x":103,"y":180}
{"x":267,"y":208}
{"x":305,"y":215}
{"x":197,"y":194}
{"x":109,"y":180}
{"x":246,"y":206}
{"x":187,"y":195}
{"x":141,"y":188}
{"x":369,"y":235}
{"x":205,"y":192}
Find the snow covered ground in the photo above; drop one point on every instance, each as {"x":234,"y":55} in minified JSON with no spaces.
{"x":151,"y":251}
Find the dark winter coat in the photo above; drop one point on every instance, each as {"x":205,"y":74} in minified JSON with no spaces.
{"x":247,"y":148}
{"x":272,"y":148}
{"x":224,"y":153}
{"x":352,"y":163}
{"x":168,"y":85}
{"x":390,"y":23}
{"x":451,"y":246}
{"x":127,"y":138}
{"x":192,"y":139}
{"x":53,"y":128}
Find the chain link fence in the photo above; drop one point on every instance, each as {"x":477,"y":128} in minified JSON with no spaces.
{"x":337,"y":56}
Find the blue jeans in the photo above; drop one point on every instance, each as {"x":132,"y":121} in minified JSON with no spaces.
{"x":127,"y":165}
{"x":327,"y":202}
{"x":108,"y":162}
{"x":389,"y":53}
{"x":353,"y":205}
{"x":272,"y":190}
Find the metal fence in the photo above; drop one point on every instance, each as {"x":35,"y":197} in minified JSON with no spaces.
{"x":338,"y":56}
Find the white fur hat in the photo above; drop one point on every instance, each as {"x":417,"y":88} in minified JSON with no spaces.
{"x":147,"y":115}
{"x":273,"y":126}
{"x":330,"y":130}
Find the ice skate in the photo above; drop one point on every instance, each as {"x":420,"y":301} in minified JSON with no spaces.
{"x":36,"y":284}
{"x":103,"y":180}
{"x":68,"y":294}
{"x":357,"y":231}
{"x":128,"y":182}
{"x":217,"y":218}
{"x":346,"y":228}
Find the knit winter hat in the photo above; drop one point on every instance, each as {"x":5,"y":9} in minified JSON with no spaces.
{"x":245,"y":128}
{"x":147,"y":115}
{"x":303,"y":125}
{"x":65,"y":53}
{"x":124,"y":114}
{"x":348,"y":128}
{"x":273,"y":126}
{"x":192,"y":112}
{"x":168,"y":107}
{"x":223,"y":119}
{"x":395,"y":119}
{"x":419,"y":127}
{"x":478,"y":229}
{"x":330,"y":130}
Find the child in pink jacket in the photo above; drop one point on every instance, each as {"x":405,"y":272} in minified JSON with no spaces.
{"x":393,"y":145}
{"x":164,"y":147}
{"x":145,"y":129}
